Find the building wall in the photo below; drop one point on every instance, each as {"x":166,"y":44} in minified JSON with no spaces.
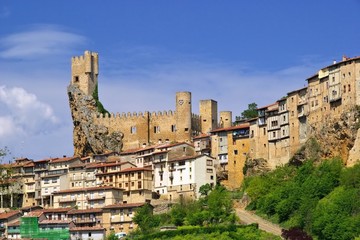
{"x":208,"y":113}
{"x":238,"y":152}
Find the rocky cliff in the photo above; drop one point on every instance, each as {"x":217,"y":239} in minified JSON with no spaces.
{"x":90,"y":138}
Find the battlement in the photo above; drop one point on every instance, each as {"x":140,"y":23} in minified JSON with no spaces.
{"x":134,"y":115}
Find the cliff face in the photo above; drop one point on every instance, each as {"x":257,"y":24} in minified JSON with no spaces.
{"x":337,"y":137}
{"x":90,"y":138}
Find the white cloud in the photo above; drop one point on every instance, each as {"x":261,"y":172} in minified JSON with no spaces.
{"x":38,"y":41}
{"x":24,"y":114}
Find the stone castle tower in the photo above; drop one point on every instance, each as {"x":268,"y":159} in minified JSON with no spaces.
{"x":144,"y":128}
{"x":85,"y":71}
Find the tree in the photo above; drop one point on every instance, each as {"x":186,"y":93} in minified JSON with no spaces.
{"x":112,"y":236}
{"x":145,"y":219}
{"x":205,"y":189}
{"x":251,"y":112}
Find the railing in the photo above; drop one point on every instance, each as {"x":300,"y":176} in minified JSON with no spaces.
{"x":85,"y":220}
{"x":62,"y":200}
{"x":93,"y":198}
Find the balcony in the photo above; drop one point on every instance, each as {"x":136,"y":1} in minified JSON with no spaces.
{"x":13,"y":230}
{"x":90,"y":178}
{"x":85,"y":220}
{"x":64,"y":200}
{"x":94,"y":198}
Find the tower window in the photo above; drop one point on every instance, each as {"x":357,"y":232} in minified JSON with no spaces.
{"x":76,"y":79}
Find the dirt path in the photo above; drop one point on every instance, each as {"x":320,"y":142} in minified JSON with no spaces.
{"x":248,"y":217}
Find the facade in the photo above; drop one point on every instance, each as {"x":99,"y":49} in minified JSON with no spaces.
{"x":118,"y":217}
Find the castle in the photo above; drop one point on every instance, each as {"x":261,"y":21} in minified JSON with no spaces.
{"x":143,"y":129}
{"x":324,"y":110}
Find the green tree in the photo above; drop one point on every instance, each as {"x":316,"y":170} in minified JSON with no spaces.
{"x":112,"y":236}
{"x":145,"y":219}
{"x":205,"y":189}
{"x":251,"y":112}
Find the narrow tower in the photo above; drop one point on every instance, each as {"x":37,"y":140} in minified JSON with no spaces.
{"x":225,"y":119}
{"x":183,"y":116}
{"x":84,"y":72}
{"x":208,"y":114}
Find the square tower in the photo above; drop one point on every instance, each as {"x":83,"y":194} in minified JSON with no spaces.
{"x":208,"y":115}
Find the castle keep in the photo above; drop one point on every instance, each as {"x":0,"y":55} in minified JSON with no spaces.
{"x":145,"y":128}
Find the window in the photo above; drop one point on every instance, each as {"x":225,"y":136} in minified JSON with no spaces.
{"x":274,"y":123}
{"x":344,"y":88}
{"x":76,"y":79}
{"x":186,"y":129}
{"x":349,"y":88}
{"x":209,"y":170}
{"x":139,"y":175}
{"x":181,"y":163}
{"x":209,"y":162}
{"x":236,"y":152}
{"x":274,"y":134}
{"x":133,"y":130}
{"x":156,"y":129}
{"x":173,"y":128}
{"x":212,"y":177}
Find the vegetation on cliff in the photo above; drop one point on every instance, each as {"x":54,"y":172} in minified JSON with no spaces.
{"x":99,"y":105}
{"x":211,"y":217}
{"x":320,"y":198}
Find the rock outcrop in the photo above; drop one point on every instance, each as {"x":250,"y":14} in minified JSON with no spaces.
{"x":90,"y":138}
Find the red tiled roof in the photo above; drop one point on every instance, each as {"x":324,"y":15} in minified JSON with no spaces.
{"x":64,"y":159}
{"x":173,"y":145}
{"x":34,"y":213}
{"x":204,"y":135}
{"x":9,"y":214}
{"x":14,"y":224}
{"x":102,"y":164}
{"x":183,"y":158}
{"x":53,"y":210}
{"x":244,"y":125}
{"x":123,"y":205}
{"x":135,"y":169}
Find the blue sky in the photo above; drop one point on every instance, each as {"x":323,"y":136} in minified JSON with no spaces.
{"x":235,"y":52}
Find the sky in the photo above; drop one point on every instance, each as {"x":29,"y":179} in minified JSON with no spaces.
{"x":234,"y":52}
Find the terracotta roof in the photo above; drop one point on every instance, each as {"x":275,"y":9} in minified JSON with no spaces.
{"x":9,"y":214}
{"x":79,"y":229}
{"x":42,"y":161}
{"x":135,"y":169}
{"x":34,"y":214}
{"x":90,"y":210}
{"x":53,"y":210}
{"x":173,"y":145}
{"x":241,"y":126}
{"x":64,"y":159}
{"x":123,"y":205}
{"x":204,"y":135}
{"x":14,"y":224}
{"x":102,"y":164}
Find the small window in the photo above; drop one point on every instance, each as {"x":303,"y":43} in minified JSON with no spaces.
{"x":236,"y":152}
{"x":133,"y":130}
{"x":76,"y":79}
{"x":186,"y":129}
